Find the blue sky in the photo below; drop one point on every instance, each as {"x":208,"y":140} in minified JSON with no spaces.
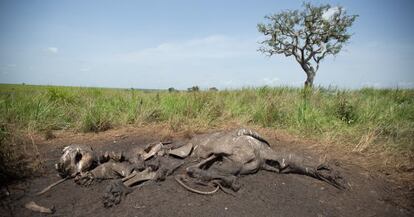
{"x":162,"y":44}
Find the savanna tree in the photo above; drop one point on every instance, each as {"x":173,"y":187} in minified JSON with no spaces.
{"x":308,"y":35}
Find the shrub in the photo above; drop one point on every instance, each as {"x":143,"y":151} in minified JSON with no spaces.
{"x":345,"y":111}
{"x":60,"y":95}
{"x":193,"y":89}
{"x":97,"y":118}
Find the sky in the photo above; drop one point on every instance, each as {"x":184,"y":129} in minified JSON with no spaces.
{"x":181,"y":43}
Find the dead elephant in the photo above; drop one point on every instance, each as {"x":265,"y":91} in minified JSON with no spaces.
{"x":85,"y":165}
{"x":220,"y":159}
{"x":224,"y":156}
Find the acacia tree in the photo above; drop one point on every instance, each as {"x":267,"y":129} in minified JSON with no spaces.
{"x":308,"y":35}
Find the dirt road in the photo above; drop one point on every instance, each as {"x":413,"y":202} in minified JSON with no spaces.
{"x":262,"y":194}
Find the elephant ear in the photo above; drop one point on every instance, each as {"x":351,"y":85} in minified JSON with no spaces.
{"x":183,"y":151}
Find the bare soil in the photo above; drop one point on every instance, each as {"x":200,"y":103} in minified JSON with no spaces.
{"x":262,"y":194}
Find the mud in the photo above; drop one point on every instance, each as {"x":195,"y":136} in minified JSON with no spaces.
{"x":262,"y":194}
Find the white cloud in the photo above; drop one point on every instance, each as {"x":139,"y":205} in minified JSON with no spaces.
{"x":53,"y":50}
{"x":328,"y":14}
{"x":215,"y":60}
{"x":211,"y":47}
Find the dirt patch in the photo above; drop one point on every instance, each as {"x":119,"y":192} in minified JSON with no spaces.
{"x":262,"y":194}
{"x":384,"y":165}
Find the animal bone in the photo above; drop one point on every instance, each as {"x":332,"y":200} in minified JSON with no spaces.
{"x":36,"y":208}
{"x":51,"y":186}
{"x":151,"y":150}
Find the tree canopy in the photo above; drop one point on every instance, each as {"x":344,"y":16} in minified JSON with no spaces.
{"x":309,"y":35}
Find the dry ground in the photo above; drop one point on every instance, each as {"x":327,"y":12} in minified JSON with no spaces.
{"x":262,"y":194}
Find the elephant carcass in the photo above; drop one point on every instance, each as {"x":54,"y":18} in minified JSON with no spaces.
{"x":130,"y":168}
{"x":85,"y":165}
{"x":224,"y":156}
{"x":135,"y":166}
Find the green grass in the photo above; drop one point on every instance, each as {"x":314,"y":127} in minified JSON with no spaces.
{"x":365,"y":117}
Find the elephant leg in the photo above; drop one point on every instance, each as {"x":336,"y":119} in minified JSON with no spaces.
{"x":119,"y":188}
{"x":137,"y":177}
{"x":205,"y":161}
{"x":225,"y":180}
{"x":108,"y":170}
{"x":114,"y":193}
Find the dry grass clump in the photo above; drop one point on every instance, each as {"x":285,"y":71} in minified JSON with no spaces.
{"x":19,"y":156}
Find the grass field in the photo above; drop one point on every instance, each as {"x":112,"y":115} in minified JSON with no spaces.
{"x":381,"y":119}
{"x":384,"y":115}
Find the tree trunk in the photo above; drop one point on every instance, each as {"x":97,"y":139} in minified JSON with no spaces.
{"x":309,"y":80}
{"x":310,"y":73}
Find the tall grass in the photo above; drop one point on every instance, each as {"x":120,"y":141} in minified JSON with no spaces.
{"x":362,"y":117}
